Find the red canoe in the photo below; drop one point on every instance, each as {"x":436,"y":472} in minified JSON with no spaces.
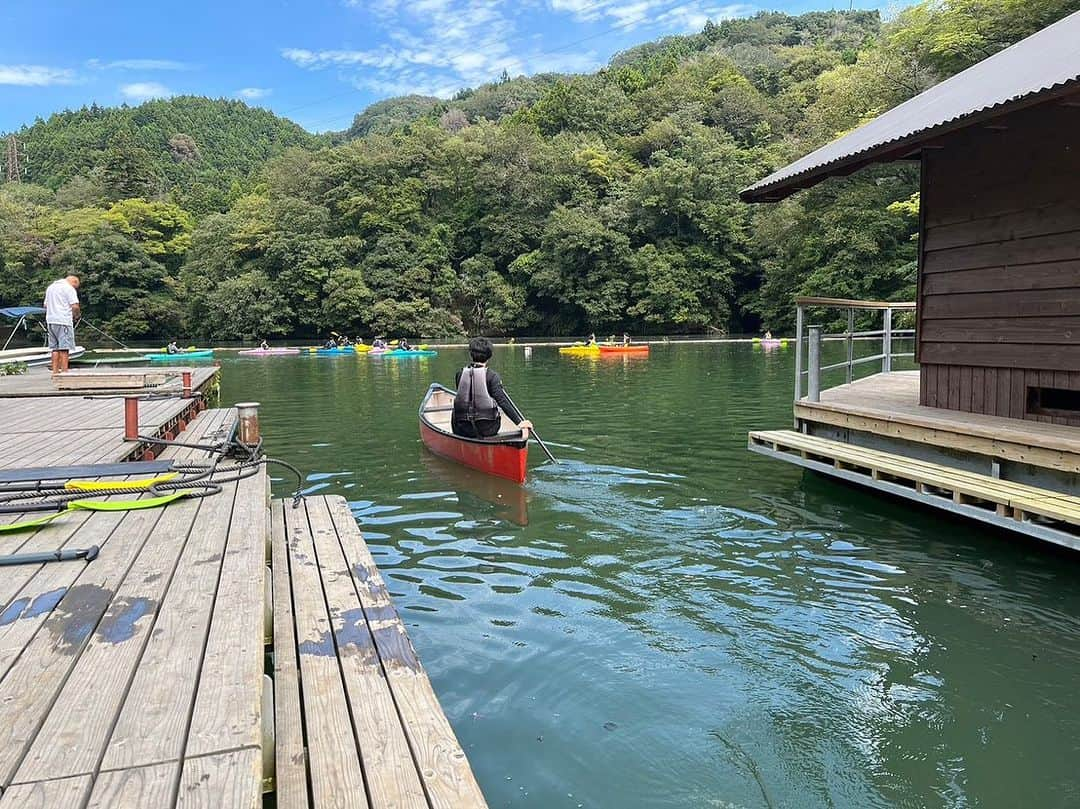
{"x":638,"y":348}
{"x":504,"y":455}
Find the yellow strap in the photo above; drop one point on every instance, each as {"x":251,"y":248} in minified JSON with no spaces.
{"x":133,"y":485}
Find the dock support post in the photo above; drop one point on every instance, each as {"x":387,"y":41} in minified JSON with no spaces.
{"x":813,"y":364}
{"x":886,"y":343}
{"x":798,"y":351}
{"x":186,"y":377}
{"x":247,"y":414}
{"x":131,"y":418}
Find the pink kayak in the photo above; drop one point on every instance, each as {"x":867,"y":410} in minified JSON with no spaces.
{"x":269,"y":352}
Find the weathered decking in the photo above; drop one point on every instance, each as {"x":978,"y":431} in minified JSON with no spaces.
{"x":888,"y":405}
{"x":133,"y":680}
{"x":372,"y":726}
{"x":38,"y":382}
{"x":139,"y":679}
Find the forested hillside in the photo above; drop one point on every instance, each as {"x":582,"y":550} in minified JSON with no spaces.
{"x":197,"y":152}
{"x":532,"y":205}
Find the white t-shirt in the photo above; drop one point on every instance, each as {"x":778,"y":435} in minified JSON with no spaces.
{"x":59,"y":298}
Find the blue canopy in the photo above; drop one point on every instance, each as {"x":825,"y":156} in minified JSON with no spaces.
{"x":15,"y":312}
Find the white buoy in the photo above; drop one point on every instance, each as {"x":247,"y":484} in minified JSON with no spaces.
{"x":528,"y":351}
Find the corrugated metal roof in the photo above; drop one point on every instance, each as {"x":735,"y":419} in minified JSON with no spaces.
{"x":1042,"y":62}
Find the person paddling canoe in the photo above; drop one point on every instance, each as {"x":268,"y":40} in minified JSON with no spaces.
{"x":481,"y":396}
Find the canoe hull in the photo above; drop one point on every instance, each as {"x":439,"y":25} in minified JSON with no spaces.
{"x":501,"y":458}
{"x":630,"y":349}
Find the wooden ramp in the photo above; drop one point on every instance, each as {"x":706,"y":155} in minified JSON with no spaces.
{"x":1038,"y":512}
{"x":357,"y":722}
{"x":135,"y":680}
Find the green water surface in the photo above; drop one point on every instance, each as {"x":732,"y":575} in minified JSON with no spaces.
{"x":667,"y":620}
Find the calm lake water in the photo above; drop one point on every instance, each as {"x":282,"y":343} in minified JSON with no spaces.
{"x":667,"y":620}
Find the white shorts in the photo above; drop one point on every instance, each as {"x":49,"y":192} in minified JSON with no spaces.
{"x":61,"y":337}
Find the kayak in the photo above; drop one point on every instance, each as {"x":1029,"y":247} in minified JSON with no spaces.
{"x":269,"y":352}
{"x":581,"y":350}
{"x":397,"y":352}
{"x":770,"y":342}
{"x":340,"y":351}
{"x":182,"y":356}
{"x":503,"y":455}
{"x":641,"y":348}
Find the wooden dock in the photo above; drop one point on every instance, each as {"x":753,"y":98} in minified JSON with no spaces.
{"x":140,"y":679}
{"x":888,"y":405}
{"x":39,"y":383}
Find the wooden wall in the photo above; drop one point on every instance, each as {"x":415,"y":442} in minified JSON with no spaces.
{"x":999,"y":280}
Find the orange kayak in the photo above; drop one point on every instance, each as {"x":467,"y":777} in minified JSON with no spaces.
{"x":641,"y":348}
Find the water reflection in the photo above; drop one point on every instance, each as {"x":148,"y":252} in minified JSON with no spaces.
{"x":665,"y":620}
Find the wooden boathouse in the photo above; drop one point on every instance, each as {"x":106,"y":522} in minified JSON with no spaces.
{"x":229,"y":651}
{"x":988,"y":426}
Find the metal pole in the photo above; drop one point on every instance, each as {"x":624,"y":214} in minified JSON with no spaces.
{"x":798,"y":351}
{"x":813,"y":367}
{"x":886,"y":343}
{"x":850,"y":342}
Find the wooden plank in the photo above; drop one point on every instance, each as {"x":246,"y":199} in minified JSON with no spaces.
{"x":136,"y":788}
{"x":978,"y":388}
{"x":153,"y":721}
{"x":290,"y":760}
{"x":1051,"y":275}
{"x":1022,"y":303}
{"x":228,"y":705}
{"x":59,"y":794}
{"x":1004,"y":355}
{"x":965,"y":389}
{"x":225,"y":781}
{"x":73,"y":737}
{"x":28,"y":690}
{"x":333,"y":759}
{"x":1036,"y":221}
{"x":981,"y":487}
{"x":445,"y":771}
{"x":389,"y":770}
{"x":1048,"y":330}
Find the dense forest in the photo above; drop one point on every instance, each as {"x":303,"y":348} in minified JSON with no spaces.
{"x":550,"y":204}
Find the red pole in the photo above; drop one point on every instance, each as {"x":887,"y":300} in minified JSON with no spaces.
{"x":131,"y":418}
{"x":187,"y":384}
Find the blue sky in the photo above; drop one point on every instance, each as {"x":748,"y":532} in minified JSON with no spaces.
{"x":318,"y":62}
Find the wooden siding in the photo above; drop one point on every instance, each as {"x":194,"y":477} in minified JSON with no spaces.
{"x":999,"y":267}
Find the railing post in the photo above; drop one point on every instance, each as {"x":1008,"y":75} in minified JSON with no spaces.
{"x":813,"y":365}
{"x":798,"y":350}
{"x":131,"y":418}
{"x":850,"y":342}
{"x":886,"y":343}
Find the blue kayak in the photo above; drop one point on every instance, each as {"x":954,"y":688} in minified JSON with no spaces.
{"x":397,"y":352}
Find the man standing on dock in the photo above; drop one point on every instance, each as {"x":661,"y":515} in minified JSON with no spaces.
{"x":61,"y":308}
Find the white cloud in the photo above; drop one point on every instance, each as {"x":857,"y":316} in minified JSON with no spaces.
{"x":145,"y":90}
{"x":630,"y":14}
{"x":436,"y":47}
{"x":35,"y":75}
{"x":254,"y":93}
{"x":138,"y":64}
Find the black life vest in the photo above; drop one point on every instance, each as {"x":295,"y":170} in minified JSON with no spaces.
{"x":473,"y":404}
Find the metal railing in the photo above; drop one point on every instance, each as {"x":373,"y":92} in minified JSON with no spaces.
{"x":814,"y":338}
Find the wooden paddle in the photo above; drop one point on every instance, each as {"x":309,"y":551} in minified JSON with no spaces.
{"x":535,"y":435}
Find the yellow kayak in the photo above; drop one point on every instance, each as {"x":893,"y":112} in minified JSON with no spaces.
{"x":581,"y":350}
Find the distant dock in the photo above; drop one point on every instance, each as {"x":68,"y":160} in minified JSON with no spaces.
{"x":217,"y":650}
